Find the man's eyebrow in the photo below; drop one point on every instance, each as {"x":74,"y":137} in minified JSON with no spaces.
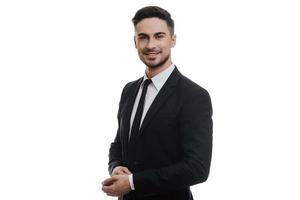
{"x":143,"y":34}
{"x":160,"y":33}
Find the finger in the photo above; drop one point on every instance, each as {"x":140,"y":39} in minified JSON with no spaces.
{"x":118,"y":172}
{"x":111,"y":194}
{"x":108,"y":181}
{"x":116,"y":169}
{"x":107,"y":189}
{"x":126,"y":171}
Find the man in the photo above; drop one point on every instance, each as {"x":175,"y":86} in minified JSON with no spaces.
{"x":164,"y":139}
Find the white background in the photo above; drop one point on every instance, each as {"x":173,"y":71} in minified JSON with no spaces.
{"x":63,"y":65}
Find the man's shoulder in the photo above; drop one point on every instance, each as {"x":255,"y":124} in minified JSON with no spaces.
{"x":193,"y":95}
{"x":190,"y":87}
{"x":132,"y":84}
{"x":128,"y":88}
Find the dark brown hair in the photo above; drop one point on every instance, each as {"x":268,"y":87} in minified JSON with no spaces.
{"x":154,"y":11}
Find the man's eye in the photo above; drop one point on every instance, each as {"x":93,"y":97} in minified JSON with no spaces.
{"x":142,"y":38}
{"x":160,"y":36}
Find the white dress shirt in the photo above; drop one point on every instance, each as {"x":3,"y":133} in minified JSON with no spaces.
{"x":157,"y":83}
{"x":154,"y":87}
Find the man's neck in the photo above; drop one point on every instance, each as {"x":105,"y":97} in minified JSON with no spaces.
{"x":151,"y":72}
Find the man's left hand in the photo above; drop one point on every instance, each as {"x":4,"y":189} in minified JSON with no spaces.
{"x":117,"y":185}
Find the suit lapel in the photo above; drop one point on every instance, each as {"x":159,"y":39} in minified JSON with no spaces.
{"x":161,"y":97}
{"x":128,"y":109}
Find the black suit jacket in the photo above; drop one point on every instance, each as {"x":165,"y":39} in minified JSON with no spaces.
{"x":173,"y":149}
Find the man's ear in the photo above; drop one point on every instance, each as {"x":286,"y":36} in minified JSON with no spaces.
{"x":173,"y":40}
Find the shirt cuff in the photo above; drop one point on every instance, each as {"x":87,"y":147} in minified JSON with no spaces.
{"x":131,"y":181}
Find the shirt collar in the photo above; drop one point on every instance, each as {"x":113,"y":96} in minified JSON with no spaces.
{"x":160,"y":79}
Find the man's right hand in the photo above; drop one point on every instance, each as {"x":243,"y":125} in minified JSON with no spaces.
{"x":120,"y":170}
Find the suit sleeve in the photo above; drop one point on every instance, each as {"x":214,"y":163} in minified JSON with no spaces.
{"x":196,"y":147}
{"x":115,"y":151}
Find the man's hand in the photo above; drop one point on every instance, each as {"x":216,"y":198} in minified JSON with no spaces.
{"x":117,"y":185}
{"x":120,"y":170}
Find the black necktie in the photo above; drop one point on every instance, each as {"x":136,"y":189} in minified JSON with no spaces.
{"x":139,"y":112}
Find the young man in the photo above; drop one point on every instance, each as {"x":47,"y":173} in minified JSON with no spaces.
{"x":164,"y":139}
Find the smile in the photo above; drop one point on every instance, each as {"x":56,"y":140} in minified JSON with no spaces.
{"x":152,"y":53}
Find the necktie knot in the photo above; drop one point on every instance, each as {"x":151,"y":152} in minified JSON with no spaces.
{"x":146,"y":82}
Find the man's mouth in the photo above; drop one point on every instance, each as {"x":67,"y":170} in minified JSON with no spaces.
{"x":152,"y":53}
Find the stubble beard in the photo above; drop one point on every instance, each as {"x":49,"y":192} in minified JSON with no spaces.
{"x":156,"y":65}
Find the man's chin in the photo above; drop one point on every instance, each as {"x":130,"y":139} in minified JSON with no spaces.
{"x":154,"y":66}
{"x":155,"y":63}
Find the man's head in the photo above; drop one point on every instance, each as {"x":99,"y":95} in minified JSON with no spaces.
{"x":154,"y":36}
{"x":154,"y":11}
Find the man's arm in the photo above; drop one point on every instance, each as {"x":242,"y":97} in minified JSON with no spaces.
{"x":196,"y":148}
{"x":115,"y":151}
{"x":115,"y":156}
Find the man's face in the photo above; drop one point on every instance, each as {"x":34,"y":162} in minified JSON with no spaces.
{"x":153,"y":41}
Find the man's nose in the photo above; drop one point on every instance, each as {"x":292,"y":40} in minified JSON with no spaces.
{"x":151,"y":43}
